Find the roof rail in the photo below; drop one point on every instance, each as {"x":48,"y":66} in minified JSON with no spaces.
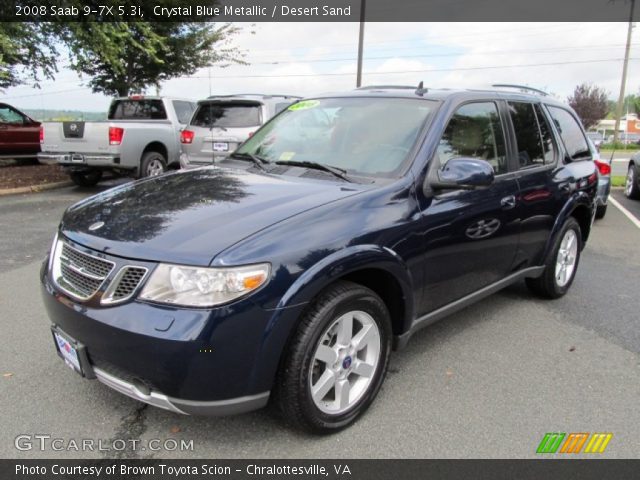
{"x":520,"y":87}
{"x":387,"y":87}
{"x":263,"y":95}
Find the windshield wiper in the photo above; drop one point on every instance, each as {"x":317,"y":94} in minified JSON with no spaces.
{"x":258,"y":161}
{"x":338,"y":172}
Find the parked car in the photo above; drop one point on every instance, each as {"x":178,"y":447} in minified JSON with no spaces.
{"x":221,"y":123}
{"x":597,"y":138}
{"x":632,"y":183}
{"x":290,"y":269}
{"x":140,"y":138}
{"x":19,"y":133}
{"x":626,"y":138}
{"x":604,"y":179}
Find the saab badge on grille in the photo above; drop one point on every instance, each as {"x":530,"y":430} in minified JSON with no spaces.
{"x":96,"y":226}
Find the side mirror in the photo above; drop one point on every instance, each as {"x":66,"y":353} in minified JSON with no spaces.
{"x":463,"y":173}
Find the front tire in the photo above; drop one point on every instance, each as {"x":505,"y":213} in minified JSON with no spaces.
{"x":562,"y":263}
{"x":336,"y":361}
{"x":631,"y":189}
{"x":152,"y":164}
{"x":86,"y":179}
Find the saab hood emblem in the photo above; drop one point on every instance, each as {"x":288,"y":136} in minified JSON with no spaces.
{"x":73,"y":127}
{"x":95,"y":226}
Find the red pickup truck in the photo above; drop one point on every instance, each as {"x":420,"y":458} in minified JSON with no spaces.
{"x":19,"y":133}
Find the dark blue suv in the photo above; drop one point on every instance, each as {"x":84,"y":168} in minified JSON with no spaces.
{"x":290,"y":270}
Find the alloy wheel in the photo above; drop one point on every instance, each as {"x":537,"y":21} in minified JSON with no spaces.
{"x":566,"y":258}
{"x":345,"y":362}
{"x":155,"y":168}
{"x":628,"y":187}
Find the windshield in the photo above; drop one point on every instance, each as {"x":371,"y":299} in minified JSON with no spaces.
{"x":367,"y":136}
{"x":227,"y":115}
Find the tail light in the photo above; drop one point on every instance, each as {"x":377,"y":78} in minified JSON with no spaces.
{"x":186,"y":136}
{"x":41,"y":134}
{"x":603,"y":168}
{"x":115,"y":135}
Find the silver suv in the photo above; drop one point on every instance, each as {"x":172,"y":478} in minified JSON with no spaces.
{"x":221,"y":123}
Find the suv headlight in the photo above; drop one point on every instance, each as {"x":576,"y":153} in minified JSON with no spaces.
{"x":203,"y":287}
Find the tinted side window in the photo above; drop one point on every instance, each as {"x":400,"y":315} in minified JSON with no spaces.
{"x":475,"y":131}
{"x":137,"y":110}
{"x":570,"y":132}
{"x":184,"y":110}
{"x":547,"y":137}
{"x":529,"y":143}
{"x":9,"y":115}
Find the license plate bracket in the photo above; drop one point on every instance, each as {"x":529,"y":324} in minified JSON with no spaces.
{"x":72,"y":352}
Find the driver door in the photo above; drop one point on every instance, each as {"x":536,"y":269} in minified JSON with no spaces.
{"x":469,"y":237}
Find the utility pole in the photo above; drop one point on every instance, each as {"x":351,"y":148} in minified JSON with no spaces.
{"x":624,"y":75}
{"x":361,"y":44}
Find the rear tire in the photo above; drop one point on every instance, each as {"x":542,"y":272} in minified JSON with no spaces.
{"x":152,"y":164}
{"x":562,"y":263}
{"x":86,"y":179}
{"x":329,"y":375}
{"x":601,"y":211}
{"x":631,"y":189}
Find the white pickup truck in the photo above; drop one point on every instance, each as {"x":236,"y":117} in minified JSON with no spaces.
{"x":141,"y":138}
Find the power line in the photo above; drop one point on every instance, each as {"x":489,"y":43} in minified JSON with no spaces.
{"x":46,"y":93}
{"x":436,"y":55}
{"x":491,"y":67}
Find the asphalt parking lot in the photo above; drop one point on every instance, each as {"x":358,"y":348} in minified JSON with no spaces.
{"x":488,"y":382}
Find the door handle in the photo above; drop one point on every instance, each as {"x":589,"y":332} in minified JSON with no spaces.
{"x":508,"y":203}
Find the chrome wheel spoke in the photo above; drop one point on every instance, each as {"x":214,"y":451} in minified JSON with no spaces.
{"x":363,"y":369}
{"x":326,"y":354}
{"x":323,"y":386}
{"x":343,"y":390}
{"x":345,"y":329}
{"x":363,"y":337}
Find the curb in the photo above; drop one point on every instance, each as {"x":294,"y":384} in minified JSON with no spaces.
{"x":35,"y":188}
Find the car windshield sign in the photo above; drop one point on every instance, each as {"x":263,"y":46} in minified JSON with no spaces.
{"x":361,"y":136}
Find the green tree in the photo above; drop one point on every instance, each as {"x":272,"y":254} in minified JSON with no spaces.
{"x":590,"y":103}
{"x":27,"y":52}
{"x":143,"y":54}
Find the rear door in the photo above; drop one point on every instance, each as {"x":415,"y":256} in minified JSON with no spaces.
{"x":220,"y":126}
{"x":469,"y":237}
{"x":534,"y":158}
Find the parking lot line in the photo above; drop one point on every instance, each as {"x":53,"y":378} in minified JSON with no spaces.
{"x":625,"y":212}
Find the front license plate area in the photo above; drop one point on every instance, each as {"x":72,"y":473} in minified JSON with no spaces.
{"x":72,"y":352}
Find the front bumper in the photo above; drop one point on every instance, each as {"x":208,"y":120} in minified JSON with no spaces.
{"x":187,"y":407}
{"x":190,"y":361}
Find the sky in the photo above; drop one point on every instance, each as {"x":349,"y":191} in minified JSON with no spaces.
{"x":310,"y":58}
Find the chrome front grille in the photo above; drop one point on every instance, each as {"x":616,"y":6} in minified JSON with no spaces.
{"x":124,"y":285}
{"x":81,"y":275}
{"x":77,"y":273}
{"x":96,"y":267}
